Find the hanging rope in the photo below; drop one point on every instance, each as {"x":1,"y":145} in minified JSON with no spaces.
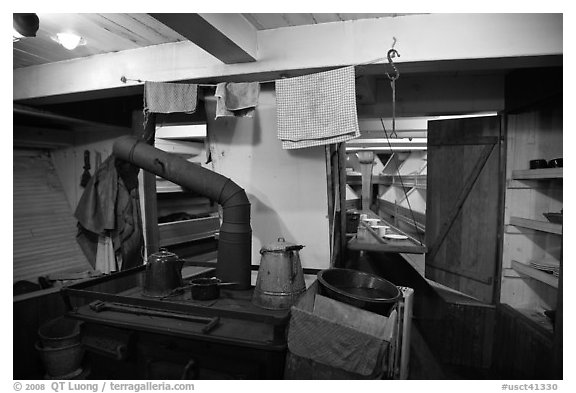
{"x":390,"y":55}
{"x":402,"y":184}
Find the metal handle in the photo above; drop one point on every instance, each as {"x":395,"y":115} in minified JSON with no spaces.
{"x":99,"y":306}
{"x":211,"y":325}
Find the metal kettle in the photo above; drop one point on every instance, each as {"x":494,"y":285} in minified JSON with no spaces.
{"x":163,"y":274}
{"x":280,"y":280}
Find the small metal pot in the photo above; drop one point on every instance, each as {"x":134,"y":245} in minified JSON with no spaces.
{"x":206,"y":288}
{"x":537,"y":164}
{"x":555,"y":163}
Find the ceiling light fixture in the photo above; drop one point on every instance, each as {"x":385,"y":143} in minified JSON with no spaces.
{"x":69,"y":41}
{"x":24,"y":25}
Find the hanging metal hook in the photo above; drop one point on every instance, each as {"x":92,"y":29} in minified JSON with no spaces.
{"x":393,"y":53}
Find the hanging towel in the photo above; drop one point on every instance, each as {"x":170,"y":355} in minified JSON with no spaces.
{"x":105,"y":260}
{"x":220,"y":95}
{"x":241,"y":95}
{"x":317,"y":109}
{"x":161,"y":97}
{"x":236,"y":99}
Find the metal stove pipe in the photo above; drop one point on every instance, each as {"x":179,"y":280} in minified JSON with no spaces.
{"x":235,"y":243}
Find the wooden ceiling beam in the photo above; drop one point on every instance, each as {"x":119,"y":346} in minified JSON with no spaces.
{"x":228,"y":37}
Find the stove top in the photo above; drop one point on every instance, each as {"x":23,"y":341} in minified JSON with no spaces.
{"x":238,"y":320}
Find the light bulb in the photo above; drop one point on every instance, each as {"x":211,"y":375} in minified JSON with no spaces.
{"x":69,"y":41}
{"x":16,"y":36}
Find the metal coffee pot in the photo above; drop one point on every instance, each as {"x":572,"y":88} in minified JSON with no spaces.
{"x":280,"y":279}
{"x":163,"y":274}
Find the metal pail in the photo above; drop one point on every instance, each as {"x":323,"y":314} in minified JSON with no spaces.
{"x":280,"y":279}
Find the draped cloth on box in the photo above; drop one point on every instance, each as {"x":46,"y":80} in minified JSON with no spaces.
{"x":317,"y":109}
{"x":109,"y":221}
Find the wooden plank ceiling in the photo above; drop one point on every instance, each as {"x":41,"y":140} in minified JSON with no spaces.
{"x":105,"y":33}
{"x":275,"y":21}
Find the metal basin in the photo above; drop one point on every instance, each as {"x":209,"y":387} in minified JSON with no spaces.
{"x":363,"y":290}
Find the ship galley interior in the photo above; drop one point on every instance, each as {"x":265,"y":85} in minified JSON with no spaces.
{"x":260,"y":196}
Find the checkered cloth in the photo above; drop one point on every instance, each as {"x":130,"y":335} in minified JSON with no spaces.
{"x":161,"y":97}
{"x":317,"y":109}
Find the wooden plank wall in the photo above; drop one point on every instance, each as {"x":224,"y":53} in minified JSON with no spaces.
{"x":44,"y":229}
{"x":521,"y":350}
{"x":462,"y":336}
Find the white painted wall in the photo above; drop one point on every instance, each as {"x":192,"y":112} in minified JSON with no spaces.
{"x":287,"y":188}
{"x":425,"y":37}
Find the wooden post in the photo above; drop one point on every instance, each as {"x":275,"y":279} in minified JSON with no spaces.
{"x":366,"y":159}
{"x":150,"y":207}
{"x":328,"y":149}
{"x":342,"y":194}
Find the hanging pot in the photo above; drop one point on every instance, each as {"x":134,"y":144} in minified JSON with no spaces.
{"x":280,"y":279}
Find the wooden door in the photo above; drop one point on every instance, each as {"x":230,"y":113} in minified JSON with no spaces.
{"x":463,"y":207}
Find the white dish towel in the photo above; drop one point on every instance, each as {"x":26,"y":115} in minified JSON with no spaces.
{"x":317,"y":109}
{"x":163,"y":97}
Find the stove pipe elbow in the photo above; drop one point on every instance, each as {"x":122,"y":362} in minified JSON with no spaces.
{"x":235,"y":243}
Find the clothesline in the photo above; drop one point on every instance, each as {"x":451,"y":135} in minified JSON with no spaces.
{"x":305,"y":118}
{"x":124,"y":79}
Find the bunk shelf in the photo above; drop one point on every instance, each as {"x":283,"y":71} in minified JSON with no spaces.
{"x":378,"y":244}
{"x":169,"y":188}
{"x":164,"y":186}
{"x":536,"y":274}
{"x":188,"y":230}
{"x":542,"y":226}
{"x":355,"y":179}
{"x":403,"y":214}
{"x":535,"y":174}
{"x":410,"y":181}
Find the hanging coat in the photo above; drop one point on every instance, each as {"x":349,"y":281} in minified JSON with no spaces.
{"x":110,"y":207}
